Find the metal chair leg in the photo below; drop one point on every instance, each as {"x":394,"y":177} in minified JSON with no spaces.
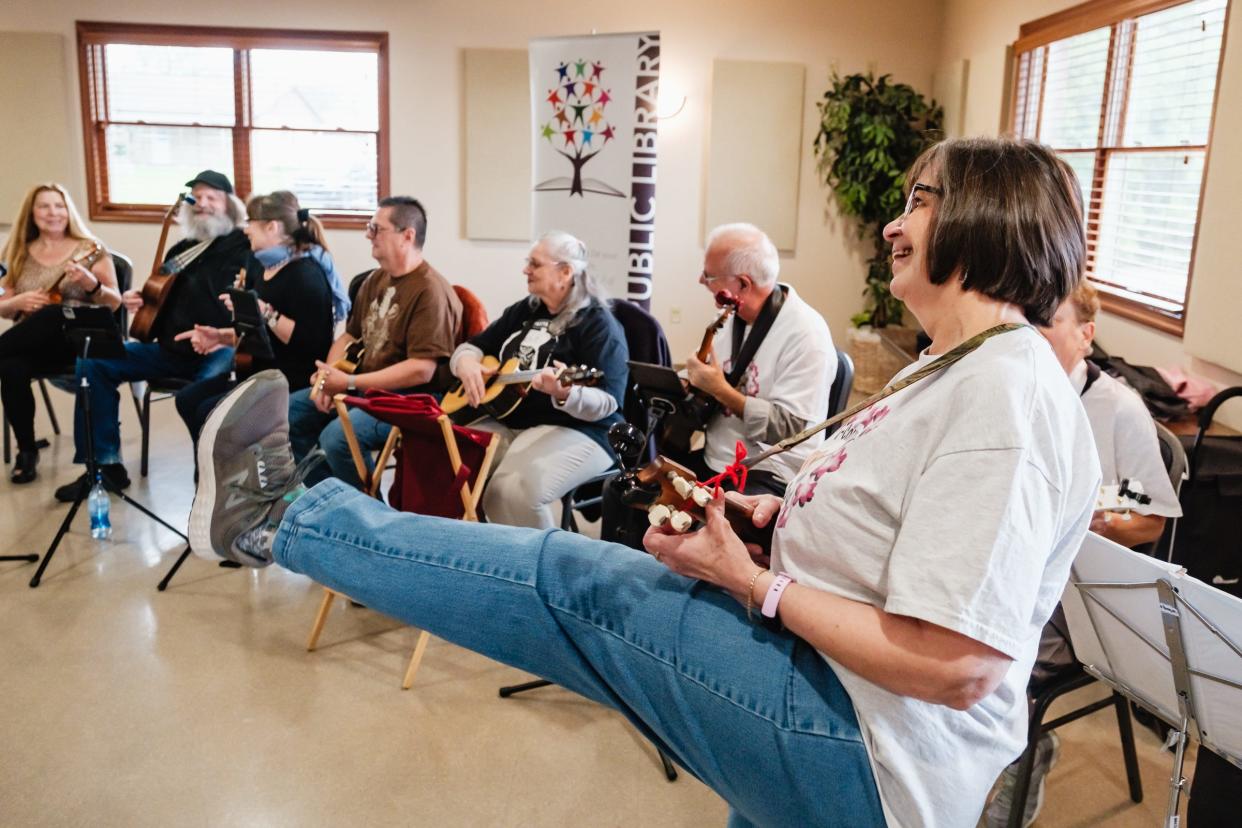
{"x":47,"y":402}
{"x":145,"y":418}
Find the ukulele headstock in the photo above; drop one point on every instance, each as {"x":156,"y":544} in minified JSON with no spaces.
{"x":580,"y":375}
{"x":672,"y":496}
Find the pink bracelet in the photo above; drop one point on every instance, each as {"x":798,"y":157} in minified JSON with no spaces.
{"x":775,"y":591}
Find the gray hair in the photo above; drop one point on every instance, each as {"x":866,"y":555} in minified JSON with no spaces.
{"x":570,"y":251}
{"x":750,"y":251}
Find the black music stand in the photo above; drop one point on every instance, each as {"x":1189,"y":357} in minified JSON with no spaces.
{"x":93,"y":331}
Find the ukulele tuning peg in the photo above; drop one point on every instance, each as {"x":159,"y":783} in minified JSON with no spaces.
{"x":659,"y":514}
{"x":701,"y":497}
{"x":681,"y":521}
{"x":682,"y":486}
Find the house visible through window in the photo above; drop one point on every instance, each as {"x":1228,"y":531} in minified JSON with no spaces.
{"x":1126,"y":99}
{"x":272,"y":109}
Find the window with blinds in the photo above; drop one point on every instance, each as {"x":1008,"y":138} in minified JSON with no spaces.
{"x":1124,"y":92}
{"x":273,"y":110}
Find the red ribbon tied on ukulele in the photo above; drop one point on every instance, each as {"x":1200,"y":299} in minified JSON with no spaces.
{"x":734,"y":473}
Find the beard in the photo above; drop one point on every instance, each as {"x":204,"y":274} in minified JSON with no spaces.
{"x":203,"y":226}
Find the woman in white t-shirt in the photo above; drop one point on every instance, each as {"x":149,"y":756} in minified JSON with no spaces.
{"x":928,"y":540}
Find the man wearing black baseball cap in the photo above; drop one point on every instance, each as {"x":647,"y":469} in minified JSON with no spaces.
{"x":203,"y":265}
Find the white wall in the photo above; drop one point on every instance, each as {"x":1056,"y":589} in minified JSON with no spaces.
{"x":426,"y":39}
{"x":979,"y":31}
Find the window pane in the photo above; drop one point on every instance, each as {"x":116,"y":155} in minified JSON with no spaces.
{"x":1074,"y":90}
{"x":150,"y":165}
{"x":324,"y":169}
{"x":1151,"y":203}
{"x":315,"y":89}
{"x":1176,"y":53}
{"x":170,"y":84}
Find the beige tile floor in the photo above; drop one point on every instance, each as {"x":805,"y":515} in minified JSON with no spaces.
{"x":123,"y":706}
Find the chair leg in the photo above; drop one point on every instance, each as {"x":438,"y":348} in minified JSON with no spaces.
{"x":1026,"y":764}
{"x":670,"y":772}
{"x":47,"y":402}
{"x":1126,"y":728}
{"x":325,"y":606}
{"x":416,"y":659}
{"x":144,"y":416}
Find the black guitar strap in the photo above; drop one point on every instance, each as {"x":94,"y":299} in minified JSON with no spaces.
{"x":744,"y":351}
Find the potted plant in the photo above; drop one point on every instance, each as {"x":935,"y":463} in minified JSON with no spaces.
{"x":871,"y":131}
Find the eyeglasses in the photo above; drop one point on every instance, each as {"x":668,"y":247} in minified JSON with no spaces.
{"x":914,"y":202}
{"x":535,"y":264}
{"x":373,"y":229}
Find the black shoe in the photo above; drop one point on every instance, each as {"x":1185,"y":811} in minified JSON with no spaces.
{"x":24,"y":467}
{"x":114,"y":476}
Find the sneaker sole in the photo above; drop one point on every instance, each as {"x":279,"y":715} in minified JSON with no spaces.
{"x":199,"y":529}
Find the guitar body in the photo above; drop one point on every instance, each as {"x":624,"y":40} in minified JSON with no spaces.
{"x":499,"y":399}
{"x":154,"y":293}
{"x":678,"y":428}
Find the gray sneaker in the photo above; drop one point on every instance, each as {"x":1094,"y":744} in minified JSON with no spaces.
{"x":246,"y":473}
{"x":997,"y":813}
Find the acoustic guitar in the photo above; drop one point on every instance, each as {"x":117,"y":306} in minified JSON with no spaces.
{"x":86,"y":259}
{"x":692,"y":415}
{"x":507,"y":388}
{"x":158,"y":285}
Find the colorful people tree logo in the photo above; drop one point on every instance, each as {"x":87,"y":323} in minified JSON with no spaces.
{"x":578,"y":128}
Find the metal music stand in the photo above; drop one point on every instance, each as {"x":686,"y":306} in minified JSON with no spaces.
{"x":1167,"y":641}
{"x":94,"y":332}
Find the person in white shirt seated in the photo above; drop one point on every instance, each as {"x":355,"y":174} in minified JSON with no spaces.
{"x":1128,"y":449}
{"x":875,"y":674}
{"x":784,"y":385}
{"x":1125,"y":434}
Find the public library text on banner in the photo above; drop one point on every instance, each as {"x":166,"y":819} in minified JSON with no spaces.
{"x":593,"y":109}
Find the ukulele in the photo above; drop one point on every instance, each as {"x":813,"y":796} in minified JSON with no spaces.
{"x":672,"y":496}
{"x":507,"y":388}
{"x":1121,"y":497}
{"x":158,"y":285}
{"x":692,"y":415}
{"x":86,"y":258}
{"x":348,"y":363}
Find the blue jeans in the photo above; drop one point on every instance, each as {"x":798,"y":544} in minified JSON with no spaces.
{"x":756,"y":714}
{"x":142,"y":360}
{"x":308,"y":427}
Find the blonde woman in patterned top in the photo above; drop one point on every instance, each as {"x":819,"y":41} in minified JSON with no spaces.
{"x":48,"y":234}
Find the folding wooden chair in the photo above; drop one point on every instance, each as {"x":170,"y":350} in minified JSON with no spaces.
{"x":468,"y":492}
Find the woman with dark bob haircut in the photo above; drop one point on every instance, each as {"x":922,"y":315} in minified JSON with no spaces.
{"x":875,"y":673}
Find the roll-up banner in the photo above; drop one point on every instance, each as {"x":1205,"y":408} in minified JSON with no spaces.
{"x":593,"y":109}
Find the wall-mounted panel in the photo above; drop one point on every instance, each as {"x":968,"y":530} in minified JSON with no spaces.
{"x":756,"y":147}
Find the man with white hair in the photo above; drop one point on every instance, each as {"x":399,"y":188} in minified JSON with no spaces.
{"x":772,"y":367}
{"x":206,"y":262}
{"x":774,"y":361}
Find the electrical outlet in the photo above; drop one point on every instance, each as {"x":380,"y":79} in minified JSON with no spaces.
{"x":674,"y":316}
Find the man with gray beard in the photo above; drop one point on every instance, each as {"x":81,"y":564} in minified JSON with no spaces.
{"x":206,"y":262}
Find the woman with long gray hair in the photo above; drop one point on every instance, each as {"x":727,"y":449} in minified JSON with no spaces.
{"x":557,"y":436}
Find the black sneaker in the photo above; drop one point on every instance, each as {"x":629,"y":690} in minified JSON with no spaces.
{"x":246,"y":473}
{"x":114,"y":477}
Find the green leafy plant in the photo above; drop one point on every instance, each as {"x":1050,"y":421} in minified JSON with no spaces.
{"x":871,"y":130}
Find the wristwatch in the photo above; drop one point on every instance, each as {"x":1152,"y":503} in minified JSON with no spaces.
{"x":352,"y":385}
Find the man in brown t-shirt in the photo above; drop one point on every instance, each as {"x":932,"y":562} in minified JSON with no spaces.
{"x":406,"y":315}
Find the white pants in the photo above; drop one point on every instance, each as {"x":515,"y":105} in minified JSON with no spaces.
{"x":534,"y":468}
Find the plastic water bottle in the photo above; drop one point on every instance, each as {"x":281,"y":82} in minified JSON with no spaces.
{"x":97,"y":504}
